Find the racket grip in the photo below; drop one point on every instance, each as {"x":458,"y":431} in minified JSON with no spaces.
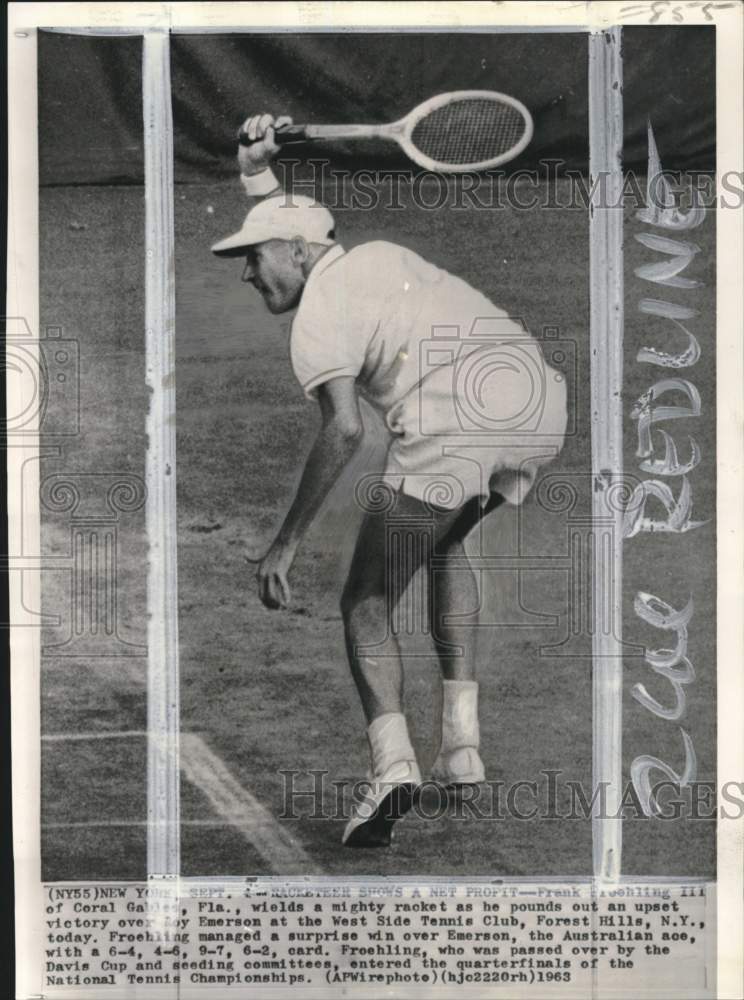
{"x":282,"y":136}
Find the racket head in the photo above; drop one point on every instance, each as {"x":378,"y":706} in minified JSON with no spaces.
{"x":466,"y":130}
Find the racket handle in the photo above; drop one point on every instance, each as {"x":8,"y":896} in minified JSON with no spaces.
{"x":283,"y":136}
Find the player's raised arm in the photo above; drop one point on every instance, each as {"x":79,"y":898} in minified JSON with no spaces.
{"x":254,"y":159}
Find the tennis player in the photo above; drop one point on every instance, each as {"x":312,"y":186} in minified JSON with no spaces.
{"x":472,"y":410}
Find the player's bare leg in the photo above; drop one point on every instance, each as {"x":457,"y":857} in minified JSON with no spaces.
{"x":454,"y":601}
{"x":373,"y":588}
{"x":365,"y":606}
{"x":454,"y":606}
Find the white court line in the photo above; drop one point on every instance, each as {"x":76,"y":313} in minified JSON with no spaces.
{"x":123,"y":735}
{"x":237,"y":806}
{"x":96,"y":823}
{"x":234,"y":804}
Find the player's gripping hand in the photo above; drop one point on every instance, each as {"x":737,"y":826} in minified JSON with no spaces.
{"x":260,"y":130}
{"x":271,"y":577}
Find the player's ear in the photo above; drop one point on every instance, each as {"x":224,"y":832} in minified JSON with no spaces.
{"x":300,"y":250}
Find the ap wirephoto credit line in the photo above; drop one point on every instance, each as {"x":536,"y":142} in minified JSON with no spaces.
{"x":373,"y":470}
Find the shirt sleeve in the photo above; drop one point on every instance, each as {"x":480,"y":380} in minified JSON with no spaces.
{"x":331,"y":332}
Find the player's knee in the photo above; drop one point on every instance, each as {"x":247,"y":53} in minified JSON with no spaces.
{"x":348,"y":600}
{"x":359,"y":606}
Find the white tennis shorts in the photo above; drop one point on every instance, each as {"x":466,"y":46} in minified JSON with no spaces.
{"x":484,"y":424}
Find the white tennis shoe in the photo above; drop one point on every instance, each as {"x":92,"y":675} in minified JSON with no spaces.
{"x":458,"y":761}
{"x":459,"y":767}
{"x":386,"y":798}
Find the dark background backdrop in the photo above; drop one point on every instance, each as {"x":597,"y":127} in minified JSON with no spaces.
{"x":91,"y":117}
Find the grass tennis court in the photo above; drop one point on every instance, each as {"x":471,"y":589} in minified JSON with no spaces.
{"x":264,"y":692}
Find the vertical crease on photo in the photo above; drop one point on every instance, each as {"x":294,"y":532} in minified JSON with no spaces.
{"x":606,"y":341}
{"x":163,"y":808}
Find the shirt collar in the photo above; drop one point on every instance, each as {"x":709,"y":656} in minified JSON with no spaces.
{"x":332,"y":253}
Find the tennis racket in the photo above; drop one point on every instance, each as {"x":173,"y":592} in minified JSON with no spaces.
{"x":450,"y":133}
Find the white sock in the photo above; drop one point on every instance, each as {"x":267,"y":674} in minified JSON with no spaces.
{"x":389,"y":741}
{"x":459,"y":715}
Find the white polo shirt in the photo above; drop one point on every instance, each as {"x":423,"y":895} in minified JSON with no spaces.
{"x":415,"y":338}
{"x":365,"y":313}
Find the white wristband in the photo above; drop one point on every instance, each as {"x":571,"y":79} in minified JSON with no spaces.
{"x":259,"y":184}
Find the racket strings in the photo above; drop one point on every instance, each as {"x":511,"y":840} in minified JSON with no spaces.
{"x":469,"y":131}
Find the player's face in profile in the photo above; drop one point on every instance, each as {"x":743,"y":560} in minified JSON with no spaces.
{"x":275,"y":270}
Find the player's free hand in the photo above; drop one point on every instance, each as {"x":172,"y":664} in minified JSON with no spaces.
{"x":260,"y":130}
{"x":271,"y":576}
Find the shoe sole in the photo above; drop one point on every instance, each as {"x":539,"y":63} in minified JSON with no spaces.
{"x":465,"y":782}
{"x":377,"y":831}
{"x":455,"y":790}
{"x":457,"y":787}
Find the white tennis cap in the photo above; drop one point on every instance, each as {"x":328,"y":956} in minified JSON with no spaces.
{"x":280,"y":218}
